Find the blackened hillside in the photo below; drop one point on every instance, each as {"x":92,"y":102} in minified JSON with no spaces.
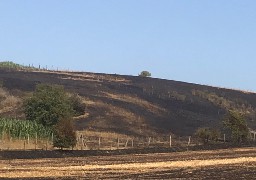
{"x":133,"y":105}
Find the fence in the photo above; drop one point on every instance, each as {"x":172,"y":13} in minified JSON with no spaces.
{"x":104,"y":143}
{"x":98,"y":143}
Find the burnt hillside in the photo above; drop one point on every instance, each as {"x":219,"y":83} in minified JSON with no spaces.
{"x":133,"y":105}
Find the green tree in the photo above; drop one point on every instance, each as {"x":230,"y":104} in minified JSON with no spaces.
{"x":48,"y":105}
{"x":145,"y":74}
{"x":207,"y":134}
{"x":236,"y":123}
{"x":65,"y":136}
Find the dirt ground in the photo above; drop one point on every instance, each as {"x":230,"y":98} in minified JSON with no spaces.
{"x":239,"y":163}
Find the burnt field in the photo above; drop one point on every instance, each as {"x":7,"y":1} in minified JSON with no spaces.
{"x":235,"y":163}
{"x":133,"y":106}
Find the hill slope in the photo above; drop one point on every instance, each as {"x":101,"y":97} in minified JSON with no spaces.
{"x":131,"y":105}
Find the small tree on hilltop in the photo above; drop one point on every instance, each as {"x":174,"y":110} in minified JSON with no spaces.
{"x":65,"y":136}
{"x":145,"y":74}
{"x":235,"y":122}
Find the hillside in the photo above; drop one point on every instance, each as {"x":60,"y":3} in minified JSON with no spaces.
{"x":131,"y":105}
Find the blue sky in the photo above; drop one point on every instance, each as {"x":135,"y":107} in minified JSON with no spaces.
{"x":201,"y":41}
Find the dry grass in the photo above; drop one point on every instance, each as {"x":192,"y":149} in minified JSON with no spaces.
{"x":137,"y":101}
{"x":109,"y":135}
{"x":8,"y":102}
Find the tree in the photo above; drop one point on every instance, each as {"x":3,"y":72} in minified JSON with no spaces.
{"x":77,"y":104}
{"x":206,"y":134}
{"x":236,"y":123}
{"x":145,"y":74}
{"x":64,"y":134}
{"x":48,"y":105}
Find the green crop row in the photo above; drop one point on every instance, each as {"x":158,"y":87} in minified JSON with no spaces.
{"x":23,"y":128}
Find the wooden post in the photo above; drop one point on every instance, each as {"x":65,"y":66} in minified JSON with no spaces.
{"x":132,"y":143}
{"x":52,"y":137}
{"x":24,"y":145}
{"x":36,"y":142}
{"x":28,"y":138}
{"x":189,"y":140}
{"x":82,"y":143}
{"x":99,"y":142}
{"x":170,"y":140}
{"x":117,"y":143}
{"x":224,"y":138}
{"x":126,"y":144}
{"x":149,"y":140}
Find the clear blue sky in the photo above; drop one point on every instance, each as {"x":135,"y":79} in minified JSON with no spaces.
{"x":202,"y":41}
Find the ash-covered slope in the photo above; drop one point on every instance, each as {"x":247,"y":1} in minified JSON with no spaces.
{"x":135,"y":105}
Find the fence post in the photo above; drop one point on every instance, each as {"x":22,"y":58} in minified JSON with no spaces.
{"x":170,"y":140}
{"x":117,"y":143}
{"x":149,"y":139}
{"x":36,"y":141}
{"x":28,"y":138}
{"x":126,"y":144}
{"x":189,"y":140}
{"x":132,"y":143}
{"x":99,"y":142}
{"x":82,"y":141}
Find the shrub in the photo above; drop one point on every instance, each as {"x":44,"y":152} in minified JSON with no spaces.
{"x":65,"y":135}
{"x":145,"y":74}
{"x":207,"y":134}
{"x":77,"y":104}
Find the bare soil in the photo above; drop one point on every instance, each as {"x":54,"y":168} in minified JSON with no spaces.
{"x":236,"y":163}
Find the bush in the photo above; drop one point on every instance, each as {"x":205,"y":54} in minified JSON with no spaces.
{"x":77,"y":104}
{"x":48,"y":105}
{"x":207,"y":134}
{"x":145,"y":74}
{"x":237,"y":125}
{"x":65,"y":135}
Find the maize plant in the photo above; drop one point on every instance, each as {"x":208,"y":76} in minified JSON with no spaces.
{"x":23,"y":128}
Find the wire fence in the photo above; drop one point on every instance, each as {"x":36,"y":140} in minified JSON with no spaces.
{"x":107,"y":143}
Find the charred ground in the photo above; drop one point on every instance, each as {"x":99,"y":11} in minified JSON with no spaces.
{"x":130,"y":105}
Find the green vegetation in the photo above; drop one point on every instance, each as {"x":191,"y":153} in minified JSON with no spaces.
{"x":207,"y":134}
{"x":12,"y":65}
{"x":235,"y":122}
{"x":65,"y":135}
{"x":145,"y":74}
{"x":52,"y":107}
{"x":23,"y":128}
{"x":48,"y":105}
